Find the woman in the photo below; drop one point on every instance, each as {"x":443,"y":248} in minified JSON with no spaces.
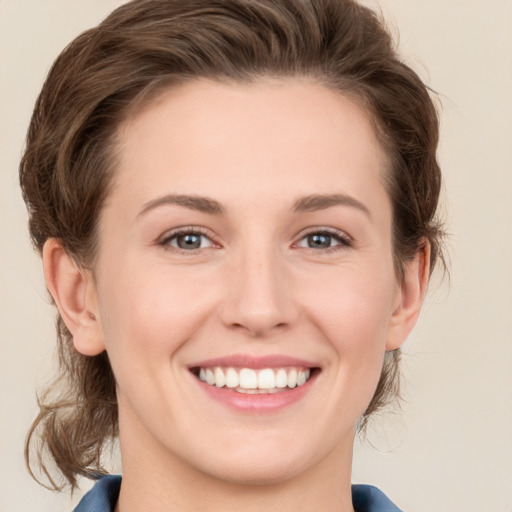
{"x":235,"y":206}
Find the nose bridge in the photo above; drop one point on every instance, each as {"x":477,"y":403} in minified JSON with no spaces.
{"x":259,"y":298}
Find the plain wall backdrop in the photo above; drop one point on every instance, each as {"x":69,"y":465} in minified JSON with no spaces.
{"x":450,"y":448}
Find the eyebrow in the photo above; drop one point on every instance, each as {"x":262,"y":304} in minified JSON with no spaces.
{"x":314,"y":202}
{"x":317,"y":202}
{"x":199,"y":203}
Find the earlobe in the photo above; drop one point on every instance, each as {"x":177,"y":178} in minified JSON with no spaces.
{"x":410,"y":298}
{"x":74,"y":294}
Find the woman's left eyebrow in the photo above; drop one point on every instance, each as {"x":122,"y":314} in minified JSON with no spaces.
{"x":199,"y":203}
{"x":317,"y":202}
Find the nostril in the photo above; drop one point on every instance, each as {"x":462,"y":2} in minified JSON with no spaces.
{"x":258,"y":328}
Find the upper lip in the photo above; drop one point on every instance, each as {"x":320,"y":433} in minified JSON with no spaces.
{"x":248,"y":361}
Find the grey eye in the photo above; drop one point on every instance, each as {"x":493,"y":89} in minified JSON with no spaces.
{"x":188,"y":241}
{"x":319,"y":241}
{"x":324,"y":240}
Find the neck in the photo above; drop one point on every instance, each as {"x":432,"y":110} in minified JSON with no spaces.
{"x":184,"y":478}
{"x":168,"y":484}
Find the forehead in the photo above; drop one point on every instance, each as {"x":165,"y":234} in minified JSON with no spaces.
{"x":281,"y":131}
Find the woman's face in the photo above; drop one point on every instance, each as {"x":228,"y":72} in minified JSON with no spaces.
{"x":246,"y":242}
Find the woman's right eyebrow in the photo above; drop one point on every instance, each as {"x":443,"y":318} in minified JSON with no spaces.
{"x":200,"y":203}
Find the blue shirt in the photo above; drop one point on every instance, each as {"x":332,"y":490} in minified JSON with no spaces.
{"x":103,"y":497}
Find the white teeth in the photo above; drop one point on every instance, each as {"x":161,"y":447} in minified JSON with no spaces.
{"x":220,"y":380}
{"x":292,"y":378}
{"x":232,"y":380}
{"x":257,"y":391}
{"x":281,"y":378}
{"x":210,"y":378}
{"x":266,"y":379}
{"x":247,"y":380}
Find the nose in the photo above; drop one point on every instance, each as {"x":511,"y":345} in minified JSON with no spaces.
{"x":259,"y":300}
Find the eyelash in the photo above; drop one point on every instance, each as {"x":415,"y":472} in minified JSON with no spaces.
{"x":344,"y":241}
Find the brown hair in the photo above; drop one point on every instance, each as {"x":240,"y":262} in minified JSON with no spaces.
{"x":146,"y":45}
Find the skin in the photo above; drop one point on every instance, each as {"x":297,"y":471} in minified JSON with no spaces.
{"x":254,"y":286}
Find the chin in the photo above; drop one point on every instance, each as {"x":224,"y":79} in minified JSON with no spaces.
{"x":260,"y":461}
{"x":257,"y":472}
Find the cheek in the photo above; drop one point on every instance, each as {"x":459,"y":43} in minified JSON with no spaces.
{"x":354,"y":305}
{"x":353,"y":312}
{"x":145,"y":321}
{"x":148,"y":314}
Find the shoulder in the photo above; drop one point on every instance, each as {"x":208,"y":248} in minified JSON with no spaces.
{"x":367,"y":498}
{"x":102,"y":497}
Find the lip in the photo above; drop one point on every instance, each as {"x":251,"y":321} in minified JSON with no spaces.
{"x":256,"y":363}
{"x":255,"y":403}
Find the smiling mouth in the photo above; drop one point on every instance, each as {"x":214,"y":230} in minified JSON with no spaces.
{"x":252,"y":381}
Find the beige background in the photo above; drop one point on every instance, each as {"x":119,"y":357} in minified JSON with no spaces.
{"x":451,"y":447}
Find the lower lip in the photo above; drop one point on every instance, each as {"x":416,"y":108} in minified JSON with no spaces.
{"x":257,"y":403}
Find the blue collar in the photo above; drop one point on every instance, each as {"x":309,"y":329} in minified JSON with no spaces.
{"x":103,"y":497}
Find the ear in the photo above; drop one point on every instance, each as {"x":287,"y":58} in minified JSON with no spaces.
{"x":410,"y":297}
{"x":74,"y":293}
